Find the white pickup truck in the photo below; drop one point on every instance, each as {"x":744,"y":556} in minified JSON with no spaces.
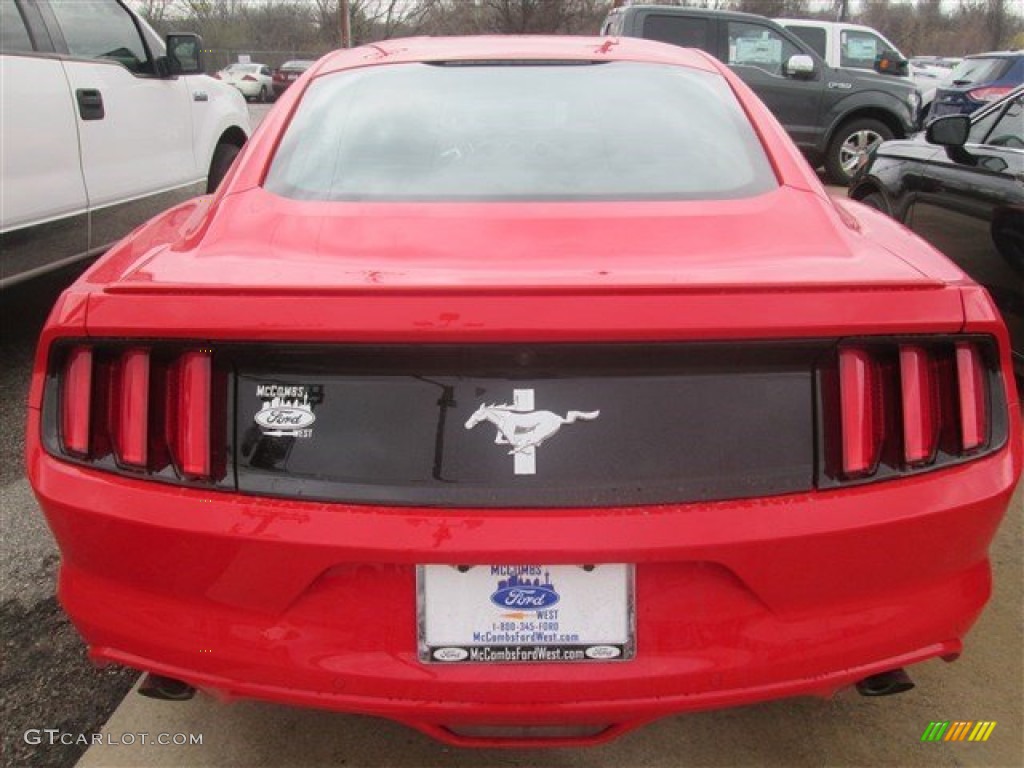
{"x":100,"y":129}
{"x":840,"y":44}
{"x":854,"y":46}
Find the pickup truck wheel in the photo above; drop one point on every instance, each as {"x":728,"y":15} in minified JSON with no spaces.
{"x":849,"y":143}
{"x":223,"y":156}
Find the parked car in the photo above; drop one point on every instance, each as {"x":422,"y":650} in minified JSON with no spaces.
{"x":947,"y":63}
{"x":965,"y":195}
{"x":523,"y":405}
{"x":834,"y":115}
{"x":978,"y":80}
{"x":288,"y":73}
{"x":101,"y":127}
{"x":929,"y":77}
{"x":254,"y":81}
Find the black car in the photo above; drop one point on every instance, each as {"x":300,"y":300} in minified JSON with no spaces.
{"x":960,"y":185}
{"x":834,"y":115}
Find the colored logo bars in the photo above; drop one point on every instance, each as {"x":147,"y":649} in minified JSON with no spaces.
{"x":959,"y":730}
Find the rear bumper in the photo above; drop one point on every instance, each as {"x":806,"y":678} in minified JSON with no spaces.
{"x":314,"y":603}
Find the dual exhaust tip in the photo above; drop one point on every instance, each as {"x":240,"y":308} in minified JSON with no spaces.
{"x":883,"y":684}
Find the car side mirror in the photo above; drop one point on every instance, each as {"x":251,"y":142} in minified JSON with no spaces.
{"x":949,"y":130}
{"x":184,"y":55}
{"x":891,"y":63}
{"x":952,"y":132}
{"x":800,"y":65}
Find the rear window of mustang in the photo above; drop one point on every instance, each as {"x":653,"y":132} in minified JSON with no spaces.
{"x":519,"y":131}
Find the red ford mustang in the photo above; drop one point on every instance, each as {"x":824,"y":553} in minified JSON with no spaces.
{"x":523,"y":390}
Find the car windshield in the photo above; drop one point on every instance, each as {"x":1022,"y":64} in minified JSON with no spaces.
{"x":297,"y":65}
{"x":243,"y":68}
{"x":520,"y":131}
{"x":979,"y":70}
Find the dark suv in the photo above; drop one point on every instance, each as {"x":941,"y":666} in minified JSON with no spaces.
{"x":834,"y":115}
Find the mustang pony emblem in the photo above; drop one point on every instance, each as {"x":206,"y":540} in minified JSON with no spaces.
{"x":523,"y":428}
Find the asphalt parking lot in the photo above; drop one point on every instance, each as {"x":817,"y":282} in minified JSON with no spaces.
{"x":48,"y":684}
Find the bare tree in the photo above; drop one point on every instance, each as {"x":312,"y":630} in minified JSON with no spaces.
{"x":939,"y":27}
{"x":371,"y":19}
{"x":995,"y":23}
{"x":156,"y":12}
{"x":525,"y":16}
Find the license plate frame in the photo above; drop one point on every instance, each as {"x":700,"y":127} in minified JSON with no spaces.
{"x":525,"y":614}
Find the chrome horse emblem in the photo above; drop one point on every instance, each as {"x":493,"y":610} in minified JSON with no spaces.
{"x":523,"y":428}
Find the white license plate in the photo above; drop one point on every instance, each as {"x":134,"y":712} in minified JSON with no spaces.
{"x":525,"y":613}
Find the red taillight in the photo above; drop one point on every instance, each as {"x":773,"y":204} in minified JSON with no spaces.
{"x":191,"y":392}
{"x":129,"y":405}
{"x":861,"y":417}
{"x":973,"y":403}
{"x":149,"y":407}
{"x":250,"y":78}
{"x":920,"y":401}
{"x":990,"y":93}
{"x":76,"y":402}
{"x":894,"y":407}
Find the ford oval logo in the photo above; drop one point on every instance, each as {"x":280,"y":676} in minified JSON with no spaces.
{"x":285,"y":417}
{"x":602,"y":652}
{"x":450,"y":654}
{"x":529,"y":598}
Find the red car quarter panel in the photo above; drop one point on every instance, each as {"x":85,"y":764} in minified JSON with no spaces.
{"x":502,"y":392}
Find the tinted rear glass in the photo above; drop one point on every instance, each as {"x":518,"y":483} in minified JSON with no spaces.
{"x":614,"y":131}
{"x":971,"y":71}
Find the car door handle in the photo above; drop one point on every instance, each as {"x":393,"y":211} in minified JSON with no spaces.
{"x":90,"y":104}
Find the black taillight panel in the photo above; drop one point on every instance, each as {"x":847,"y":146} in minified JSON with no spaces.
{"x":695,"y":421}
